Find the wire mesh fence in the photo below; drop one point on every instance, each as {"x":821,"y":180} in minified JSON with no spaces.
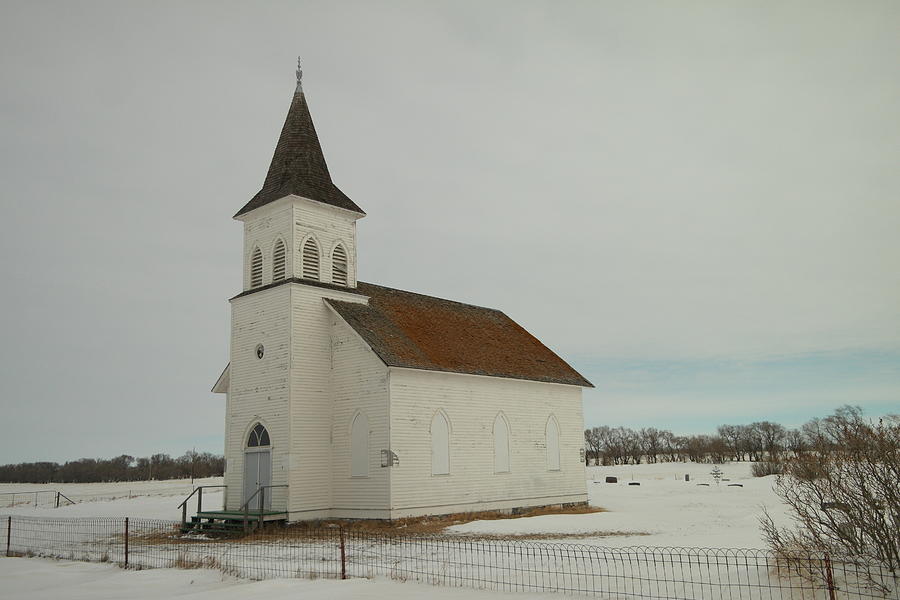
{"x":503,"y":565}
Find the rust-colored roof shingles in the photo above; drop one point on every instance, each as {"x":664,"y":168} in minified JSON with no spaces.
{"x":422,"y":332}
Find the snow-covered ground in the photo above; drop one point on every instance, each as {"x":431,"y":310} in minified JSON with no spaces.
{"x":42,"y":579}
{"x":144,"y":499}
{"x":664,"y":507}
{"x":664,"y":510}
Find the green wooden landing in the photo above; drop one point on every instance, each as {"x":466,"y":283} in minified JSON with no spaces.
{"x":231,"y":521}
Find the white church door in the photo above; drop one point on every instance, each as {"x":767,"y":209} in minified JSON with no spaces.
{"x":258,"y":468}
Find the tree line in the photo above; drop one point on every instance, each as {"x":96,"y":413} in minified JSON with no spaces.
{"x":121,"y":468}
{"x":760,"y":441}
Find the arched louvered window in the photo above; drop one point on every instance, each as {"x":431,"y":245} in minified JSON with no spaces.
{"x":256,"y":268}
{"x":552,"y":436}
{"x":339,"y":265}
{"x":258,"y":437}
{"x":501,"y":445}
{"x":310,"y":261}
{"x":359,"y":446}
{"x":440,"y":445}
{"x":278,"y":261}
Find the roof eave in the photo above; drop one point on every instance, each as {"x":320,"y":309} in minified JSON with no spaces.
{"x":584,"y":384}
{"x":241,"y":215}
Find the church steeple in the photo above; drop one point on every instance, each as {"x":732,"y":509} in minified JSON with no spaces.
{"x":298,"y":166}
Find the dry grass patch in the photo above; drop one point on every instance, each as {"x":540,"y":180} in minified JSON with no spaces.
{"x":185,"y":561}
{"x":437,"y":524}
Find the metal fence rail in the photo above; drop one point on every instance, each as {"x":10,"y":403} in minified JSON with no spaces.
{"x":503,"y":565}
{"x":35,"y":498}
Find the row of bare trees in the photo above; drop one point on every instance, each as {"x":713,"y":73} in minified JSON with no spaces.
{"x":763,"y":440}
{"x":121,"y":468}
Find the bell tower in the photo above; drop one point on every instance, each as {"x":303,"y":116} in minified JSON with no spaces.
{"x":299,"y":249}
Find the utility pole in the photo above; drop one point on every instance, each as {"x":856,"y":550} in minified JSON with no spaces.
{"x":193,"y":457}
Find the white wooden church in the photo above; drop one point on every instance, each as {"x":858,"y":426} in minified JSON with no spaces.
{"x":347,"y":399}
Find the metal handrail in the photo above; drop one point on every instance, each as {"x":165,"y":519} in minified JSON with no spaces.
{"x":183,"y":505}
{"x":261,"y":492}
{"x":58,"y":493}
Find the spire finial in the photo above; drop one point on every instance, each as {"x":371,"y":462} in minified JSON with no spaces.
{"x":299,"y":77}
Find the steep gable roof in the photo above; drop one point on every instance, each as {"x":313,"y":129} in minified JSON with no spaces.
{"x":298,"y":165}
{"x":423,"y":332}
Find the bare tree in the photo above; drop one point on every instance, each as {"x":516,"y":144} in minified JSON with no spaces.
{"x":731,"y":434}
{"x":772,"y":438}
{"x":592,"y":440}
{"x":795,"y":442}
{"x":651,"y":442}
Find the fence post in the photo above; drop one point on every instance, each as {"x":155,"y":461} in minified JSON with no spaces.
{"x":57,"y":498}
{"x":126,"y":542}
{"x":262,"y":506}
{"x":343,"y":555}
{"x":8,"y":532}
{"x":829,"y":578}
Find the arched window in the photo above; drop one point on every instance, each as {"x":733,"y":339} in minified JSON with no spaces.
{"x":256,"y":268}
{"x":310,"y":253}
{"x":339,"y":265}
{"x":359,"y":446}
{"x":440,"y":445}
{"x":552,"y":435}
{"x":278,"y":261}
{"x":501,"y":445}
{"x":258,"y":437}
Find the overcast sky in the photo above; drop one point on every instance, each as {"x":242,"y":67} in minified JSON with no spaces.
{"x":696,"y":203}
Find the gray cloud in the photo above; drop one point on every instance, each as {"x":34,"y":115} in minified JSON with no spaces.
{"x":626,"y":179}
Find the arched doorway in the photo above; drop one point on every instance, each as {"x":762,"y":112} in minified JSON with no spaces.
{"x":257,"y":467}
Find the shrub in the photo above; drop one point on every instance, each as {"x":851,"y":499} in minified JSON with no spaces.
{"x":845,"y":500}
{"x":767,"y":467}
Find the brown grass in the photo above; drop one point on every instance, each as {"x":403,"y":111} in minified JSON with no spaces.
{"x":428,"y":525}
{"x":205,"y":562}
{"x":437,"y":524}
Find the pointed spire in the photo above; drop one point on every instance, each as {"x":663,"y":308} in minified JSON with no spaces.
{"x":298,"y":166}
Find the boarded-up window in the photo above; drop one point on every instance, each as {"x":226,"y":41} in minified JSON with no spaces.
{"x":310,"y":253}
{"x":359,"y":446}
{"x":552,"y":444}
{"x":339,"y":265}
{"x":278,"y":261}
{"x":501,"y":445}
{"x":440,"y":445}
{"x":256,"y":268}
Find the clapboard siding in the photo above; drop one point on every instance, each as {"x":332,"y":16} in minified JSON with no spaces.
{"x":359,"y":383}
{"x":311,"y":393}
{"x":259,"y":388}
{"x":472,"y":402}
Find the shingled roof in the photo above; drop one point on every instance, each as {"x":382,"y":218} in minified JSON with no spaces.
{"x":298,"y":165}
{"x":422,"y":332}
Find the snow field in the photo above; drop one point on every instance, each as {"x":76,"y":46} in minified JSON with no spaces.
{"x":664,"y":510}
{"x":143,"y":499}
{"x":41,"y":579}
